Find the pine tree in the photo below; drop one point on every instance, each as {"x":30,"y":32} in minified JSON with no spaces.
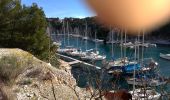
{"x":23,"y":27}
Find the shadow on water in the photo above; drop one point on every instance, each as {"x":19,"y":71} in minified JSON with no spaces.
{"x":97,"y":78}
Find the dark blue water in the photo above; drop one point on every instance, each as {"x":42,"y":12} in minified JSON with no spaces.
{"x":152,"y":52}
{"x":84,"y":75}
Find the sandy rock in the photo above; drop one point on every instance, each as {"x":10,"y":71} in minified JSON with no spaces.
{"x":39,"y":80}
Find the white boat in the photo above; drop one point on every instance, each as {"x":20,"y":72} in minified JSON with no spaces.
{"x":98,"y":40}
{"x":76,"y":53}
{"x":118,"y":62}
{"x":93,"y":56}
{"x":152,"y":45}
{"x":128,"y":44}
{"x":57,"y":43}
{"x":97,"y":56}
{"x":146,"y":45}
{"x":66,"y":50}
{"x":113,"y":42}
{"x":145,"y":94}
{"x":165,"y":56}
{"x":85,"y":38}
{"x":75,"y":35}
{"x":144,"y":82}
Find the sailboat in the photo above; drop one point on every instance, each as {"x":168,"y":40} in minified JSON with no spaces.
{"x":146,"y":82}
{"x":67,"y":48}
{"x":145,"y":94}
{"x":77,"y":52}
{"x":112,"y":40}
{"x":85,"y":37}
{"x":93,"y":54}
{"x":165,"y":56}
{"x":123,"y":64}
{"x":140,"y":44}
{"x":126,"y":66}
{"x":56,"y":41}
{"x":53,"y":36}
{"x":147,"y":79}
{"x":142,"y":93}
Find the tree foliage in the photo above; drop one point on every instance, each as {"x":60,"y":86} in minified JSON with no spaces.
{"x":23,"y":27}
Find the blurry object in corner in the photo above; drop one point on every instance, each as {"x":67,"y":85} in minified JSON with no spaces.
{"x":132,"y":15}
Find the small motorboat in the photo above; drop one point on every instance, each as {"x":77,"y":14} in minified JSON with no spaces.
{"x":165,"y":56}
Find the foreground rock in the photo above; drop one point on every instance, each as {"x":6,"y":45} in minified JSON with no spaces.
{"x":38,"y":80}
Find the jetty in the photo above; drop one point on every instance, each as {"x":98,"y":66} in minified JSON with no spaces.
{"x":72,"y":61}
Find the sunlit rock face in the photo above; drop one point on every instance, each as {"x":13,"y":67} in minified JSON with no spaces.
{"x":132,"y":15}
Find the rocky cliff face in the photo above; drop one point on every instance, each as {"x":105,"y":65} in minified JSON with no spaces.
{"x":35,"y":79}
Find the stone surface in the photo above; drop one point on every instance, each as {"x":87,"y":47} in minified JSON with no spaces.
{"x":41,"y":81}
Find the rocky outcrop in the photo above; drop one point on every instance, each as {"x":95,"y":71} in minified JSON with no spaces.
{"x":38,"y":80}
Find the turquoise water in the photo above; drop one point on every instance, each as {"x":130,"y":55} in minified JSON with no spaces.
{"x":152,"y":52}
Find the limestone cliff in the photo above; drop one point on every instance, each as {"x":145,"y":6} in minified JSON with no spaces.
{"x":35,"y":79}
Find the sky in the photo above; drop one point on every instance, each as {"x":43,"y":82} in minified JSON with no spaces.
{"x":62,"y":8}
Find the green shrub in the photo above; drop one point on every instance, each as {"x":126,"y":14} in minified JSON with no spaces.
{"x":10,"y":68}
{"x":54,"y":61}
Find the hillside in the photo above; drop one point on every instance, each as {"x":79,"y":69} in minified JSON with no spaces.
{"x":24,"y":77}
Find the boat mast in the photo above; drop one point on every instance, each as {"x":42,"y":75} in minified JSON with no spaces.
{"x":121,"y":44}
{"x":86,"y":36}
{"x":125,"y":45}
{"x":112,"y":41}
{"x":95,"y":40}
{"x":138,"y":45}
{"x":134,"y":71}
{"x":77,"y":31}
{"x":64,"y":32}
{"x":143,"y":47}
{"x":68,"y":34}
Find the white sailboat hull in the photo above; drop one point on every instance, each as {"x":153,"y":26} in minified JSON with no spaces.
{"x":99,"y":57}
{"x":66,"y":50}
{"x":77,"y":53}
{"x":165,"y":56}
{"x":141,"y":82}
{"x":93,"y":56}
{"x":139,"y":94}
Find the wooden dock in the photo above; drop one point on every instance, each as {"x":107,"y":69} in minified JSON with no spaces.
{"x":72,"y":61}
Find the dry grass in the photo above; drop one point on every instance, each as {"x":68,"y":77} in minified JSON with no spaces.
{"x":35,"y":73}
{"x":7,"y":94}
{"x":10,"y":68}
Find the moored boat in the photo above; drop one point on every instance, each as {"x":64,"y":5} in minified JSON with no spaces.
{"x":165,"y":56}
{"x":146,"y":82}
{"x":145,"y":94}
